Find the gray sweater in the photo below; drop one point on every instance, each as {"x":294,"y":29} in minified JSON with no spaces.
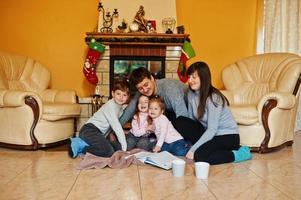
{"x":172,"y":91}
{"x":108,"y":117}
{"x":216,"y":120}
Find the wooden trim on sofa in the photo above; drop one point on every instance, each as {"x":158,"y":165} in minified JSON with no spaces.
{"x":48,"y":145}
{"x":33,"y":104}
{"x":276,"y":148}
{"x":297,"y":85}
{"x":267,"y":107}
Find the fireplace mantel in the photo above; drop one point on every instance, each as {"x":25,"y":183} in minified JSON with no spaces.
{"x":162,"y":49}
{"x":138,"y":38}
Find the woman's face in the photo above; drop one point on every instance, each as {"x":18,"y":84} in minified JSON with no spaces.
{"x":194,"y":81}
{"x":143,"y":104}
{"x":154,"y":110}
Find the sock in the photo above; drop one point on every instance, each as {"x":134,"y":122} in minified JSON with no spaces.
{"x":95,"y":51}
{"x":242,"y":154}
{"x":186,"y":53}
{"x":76,"y":146}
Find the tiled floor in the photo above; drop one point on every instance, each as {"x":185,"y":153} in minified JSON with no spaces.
{"x":52,"y":174}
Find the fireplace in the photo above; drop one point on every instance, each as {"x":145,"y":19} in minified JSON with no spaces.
{"x":122,"y":66}
{"x":124,"y":52}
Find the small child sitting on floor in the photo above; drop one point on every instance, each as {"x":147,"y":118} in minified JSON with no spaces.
{"x":142,"y":127}
{"x":168,"y":139}
{"x":93,"y":135}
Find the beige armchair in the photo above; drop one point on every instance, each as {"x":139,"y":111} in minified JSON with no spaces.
{"x":32,"y":116}
{"x":263,"y":91}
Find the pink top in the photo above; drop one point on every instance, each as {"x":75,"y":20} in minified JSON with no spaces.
{"x":139,"y":128}
{"x":165,"y":131}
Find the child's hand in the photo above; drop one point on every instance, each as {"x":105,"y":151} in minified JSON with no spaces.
{"x":190,"y":155}
{"x":157,"y":149}
{"x":150,"y":127}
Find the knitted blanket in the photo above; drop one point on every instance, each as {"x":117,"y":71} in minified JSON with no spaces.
{"x":120,"y":159}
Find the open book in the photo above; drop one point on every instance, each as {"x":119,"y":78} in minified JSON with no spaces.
{"x":163,"y":159}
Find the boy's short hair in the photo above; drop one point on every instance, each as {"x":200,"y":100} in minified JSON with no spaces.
{"x":138,"y":75}
{"x":121,"y":84}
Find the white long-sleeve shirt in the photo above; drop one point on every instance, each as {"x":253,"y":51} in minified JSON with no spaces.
{"x":164,"y":130}
{"x":108,"y":117}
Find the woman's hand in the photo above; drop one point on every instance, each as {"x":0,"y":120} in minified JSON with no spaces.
{"x":190,"y":155}
{"x":157,"y":149}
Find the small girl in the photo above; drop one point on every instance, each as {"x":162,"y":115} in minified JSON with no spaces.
{"x":142,"y":128}
{"x":168,"y":139}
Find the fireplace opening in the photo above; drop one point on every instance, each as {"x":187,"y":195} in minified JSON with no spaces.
{"x":122,"y":66}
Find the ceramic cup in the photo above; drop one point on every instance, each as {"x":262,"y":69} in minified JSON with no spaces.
{"x":178,"y":167}
{"x":201,"y":170}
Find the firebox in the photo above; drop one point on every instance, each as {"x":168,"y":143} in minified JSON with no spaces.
{"x":122,"y":66}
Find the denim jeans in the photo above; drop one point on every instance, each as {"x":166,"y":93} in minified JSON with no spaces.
{"x":177,"y":148}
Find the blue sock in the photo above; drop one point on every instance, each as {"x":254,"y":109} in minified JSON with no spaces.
{"x":242,"y":154}
{"x":76,"y":146}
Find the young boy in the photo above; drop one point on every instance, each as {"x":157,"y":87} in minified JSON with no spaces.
{"x":93,"y":135}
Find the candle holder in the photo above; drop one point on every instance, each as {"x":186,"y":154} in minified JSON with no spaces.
{"x":107,"y":19}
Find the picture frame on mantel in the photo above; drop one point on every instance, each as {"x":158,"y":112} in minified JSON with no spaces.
{"x":151,"y":26}
{"x":127,"y":11}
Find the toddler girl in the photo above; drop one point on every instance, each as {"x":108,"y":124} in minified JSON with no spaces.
{"x":142,"y":127}
{"x":168,"y":139}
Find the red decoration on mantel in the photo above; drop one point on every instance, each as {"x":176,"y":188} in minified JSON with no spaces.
{"x":95,"y":51}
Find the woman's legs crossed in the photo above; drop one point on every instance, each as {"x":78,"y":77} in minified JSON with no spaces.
{"x":218,"y":150}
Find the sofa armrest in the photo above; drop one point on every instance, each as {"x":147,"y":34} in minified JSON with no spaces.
{"x":62,"y":96}
{"x":17,"y":98}
{"x":284,"y":100}
{"x":229,"y":95}
{"x":280,"y":100}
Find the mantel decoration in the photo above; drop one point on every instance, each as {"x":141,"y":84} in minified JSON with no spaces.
{"x":139,"y":23}
{"x":107,"y":19}
{"x":168,"y":25}
{"x":96,"y":49}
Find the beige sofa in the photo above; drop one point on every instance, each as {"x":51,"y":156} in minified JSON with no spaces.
{"x":31,"y":115}
{"x":263,"y":91}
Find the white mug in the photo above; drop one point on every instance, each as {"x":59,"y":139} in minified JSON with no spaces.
{"x":201,"y":170}
{"x":178,"y":168}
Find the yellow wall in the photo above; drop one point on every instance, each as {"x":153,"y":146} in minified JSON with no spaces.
{"x":221,"y":31}
{"x":53,"y":33}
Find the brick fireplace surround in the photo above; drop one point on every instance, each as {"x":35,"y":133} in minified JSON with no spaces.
{"x":132,"y":44}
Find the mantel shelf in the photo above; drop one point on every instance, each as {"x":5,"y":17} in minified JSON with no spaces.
{"x":138,"y":38}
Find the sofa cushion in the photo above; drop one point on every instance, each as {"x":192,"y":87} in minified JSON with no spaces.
{"x":57,"y":111}
{"x":245,"y":114}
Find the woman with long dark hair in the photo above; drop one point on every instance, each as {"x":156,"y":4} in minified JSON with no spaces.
{"x":210,"y":127}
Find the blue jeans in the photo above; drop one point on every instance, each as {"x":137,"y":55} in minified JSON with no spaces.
{"x":177,"y":148}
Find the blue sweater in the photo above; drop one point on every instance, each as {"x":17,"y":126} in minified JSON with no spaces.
{"x":216,"y":120}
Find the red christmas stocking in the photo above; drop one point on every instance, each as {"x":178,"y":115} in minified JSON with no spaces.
{"x":95,"y":51}
{"x":187,"y":53}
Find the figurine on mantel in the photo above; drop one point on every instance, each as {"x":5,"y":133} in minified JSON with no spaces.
{"x":140,"y":21}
